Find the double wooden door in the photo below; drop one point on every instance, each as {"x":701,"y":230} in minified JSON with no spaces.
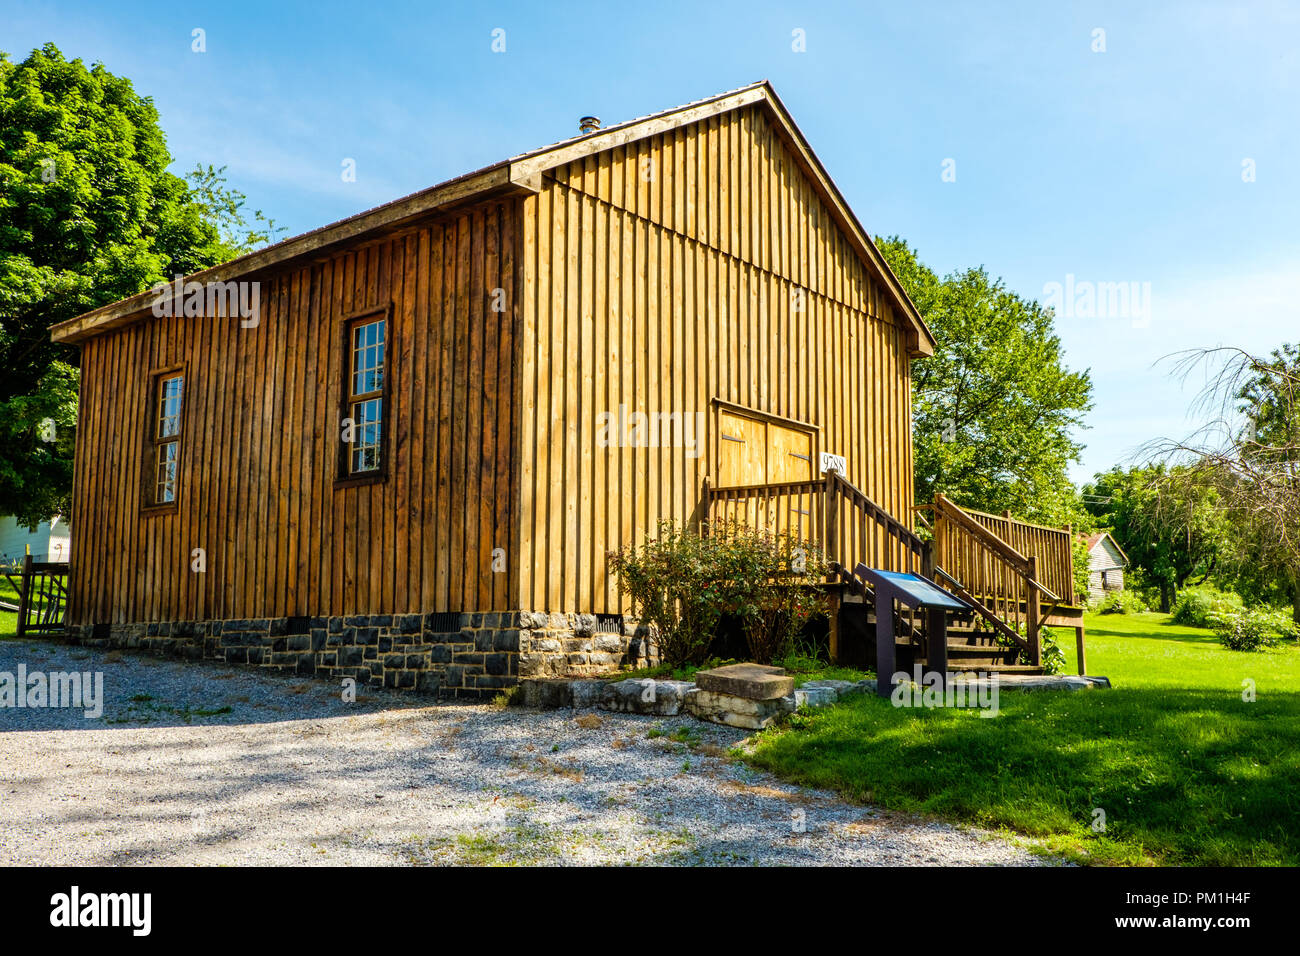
{"x":759,"y":451}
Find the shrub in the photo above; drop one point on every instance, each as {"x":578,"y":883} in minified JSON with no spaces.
{"x":1052,"y":655}
{"x":1122,"y":602}
{"x":1278,"y":621}
{"x":1206,"y":606}
{"x":1082,"y":569}
{"x":683,"y":582}
{"x":784,"y":602}
{"x":1249,"y":631}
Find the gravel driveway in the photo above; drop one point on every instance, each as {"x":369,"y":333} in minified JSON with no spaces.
{"x":207,"y":764}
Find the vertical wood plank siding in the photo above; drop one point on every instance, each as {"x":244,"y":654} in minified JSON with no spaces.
{"x":662,"y":275}
{"x":261,"y":421}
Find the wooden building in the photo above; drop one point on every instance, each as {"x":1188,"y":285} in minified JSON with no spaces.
{"x":1106,"y":564}
{"x":400,"y":447}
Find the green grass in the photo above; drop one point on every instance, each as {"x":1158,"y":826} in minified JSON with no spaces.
{"x":8,"y":619}
{"x":1186,"y":771}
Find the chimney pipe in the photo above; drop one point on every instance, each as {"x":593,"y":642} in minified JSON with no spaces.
{"x":589,"y":124}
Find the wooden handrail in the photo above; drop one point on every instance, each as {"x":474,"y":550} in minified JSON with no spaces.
{"x":954,"y":512}
{"x":828,"y":532}
{"x":896,"y":528}
{"x":989,"y":573}
{"x":1046,"y":590}
{"x":999,"y":625}
{"x":1054,"y":548}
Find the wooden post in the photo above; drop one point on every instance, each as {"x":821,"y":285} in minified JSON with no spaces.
{"x":836,"y":602}
{"x":831,"y":506}
{"x":937,"y":557}
{"x":708,"y":507}
{"x":830,"y":515}
{"x":1033,"y":613}
{"x":1069,"y":553}
{"x":24,"y":592}
{"x":1078,"y":643}
{"x":937,"y":635}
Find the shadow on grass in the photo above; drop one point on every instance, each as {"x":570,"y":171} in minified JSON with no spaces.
{"x":1180,"y":776}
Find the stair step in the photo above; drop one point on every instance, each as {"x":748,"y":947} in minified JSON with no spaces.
{"x":975,"y":650}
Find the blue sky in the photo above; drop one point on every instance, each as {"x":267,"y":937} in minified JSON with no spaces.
{"x":1117,"y":166}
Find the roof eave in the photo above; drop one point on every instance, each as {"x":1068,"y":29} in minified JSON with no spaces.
{"x":498,"y":179}
{"x":523,"y":174}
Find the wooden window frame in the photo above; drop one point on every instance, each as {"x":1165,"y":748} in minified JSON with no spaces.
{"x":343,"y":476}
{"x":149,"y":506}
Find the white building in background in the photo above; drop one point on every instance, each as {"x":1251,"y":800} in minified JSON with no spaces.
{"x":1106,"y":564}
{"x":49,"y":542}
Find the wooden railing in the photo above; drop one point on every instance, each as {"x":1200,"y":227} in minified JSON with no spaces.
{"x":42,"y":595}
{"x":795,"y":508}
{"x":968,"y":555}
{"x":986,"y":571}
{"x":859,"y":530}
{"x":1053,"y":547}
{"x":829,"y":512}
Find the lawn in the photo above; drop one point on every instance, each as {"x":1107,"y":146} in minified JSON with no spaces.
{"x":8,"y":619}
{"x":1184,"y":770}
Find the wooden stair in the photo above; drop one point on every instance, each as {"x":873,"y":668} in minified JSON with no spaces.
{"x":972,"y":645}
{"x":973,"y":556}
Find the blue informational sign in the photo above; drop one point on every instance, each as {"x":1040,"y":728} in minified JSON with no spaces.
{"x":912,"y":589}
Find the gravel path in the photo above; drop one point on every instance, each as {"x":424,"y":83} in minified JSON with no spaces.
{"x":205,"y":764}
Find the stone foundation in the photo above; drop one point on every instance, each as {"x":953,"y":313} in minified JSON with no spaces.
{"x":578,"y":645}
{"x":469,"y":655}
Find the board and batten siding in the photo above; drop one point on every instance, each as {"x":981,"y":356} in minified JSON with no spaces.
{"x":259,"y":444}
{"x":661,"y":276}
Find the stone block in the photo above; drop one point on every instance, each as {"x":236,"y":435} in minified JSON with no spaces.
{"x":750,"y":681}
{"x":806,"y":696}
{"x":587,"y":693}
{"x":733,"y":711}
{"x":545,"y":694}
{"x":840,"y":687}
{"x":648,"y":696}
{"x":531,"y":619}
{"x":608,"y":644}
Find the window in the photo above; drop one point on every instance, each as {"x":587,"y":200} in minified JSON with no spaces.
{"x":367,"y":385}
{"x":165,"y":429}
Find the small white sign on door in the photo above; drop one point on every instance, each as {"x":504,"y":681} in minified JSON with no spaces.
{"x":834,"y":463}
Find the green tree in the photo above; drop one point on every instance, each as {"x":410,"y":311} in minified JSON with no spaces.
{"x":88,"y":215}
{"x":1250,"y":455}
{"x":995,"y":408}
{"x":223,"y":206}
{"x":1169,"y":521}
{"x":1262,"y":481}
